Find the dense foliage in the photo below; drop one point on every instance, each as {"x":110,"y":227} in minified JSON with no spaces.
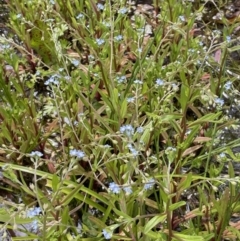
{"x":113,"y":120}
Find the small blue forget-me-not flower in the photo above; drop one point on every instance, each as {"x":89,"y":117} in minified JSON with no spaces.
{"x":149,"y":184}
{"x":159,"y":82}
{"x":77,"y":153}
{"x":128,"y":130}
{"x":123,"y":10}
{"x":36,"y":154}
{"x":106,"y":234}
{"x":113,"y":187}
{"x":100,"y":41}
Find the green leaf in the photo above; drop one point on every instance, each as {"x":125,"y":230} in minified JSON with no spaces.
{"x":65,"y":217}
{"x":165,"y":118}
{"x":123,"y":109}
{"x":156,"y":236}
{"x":153,"y":222}
{"x":211,"y":117}
{"x":177,"y":205}
{"x":55,"y":182}
{"x":185,"y":237}
{"x":185,"y":182}
{"x":185,"y":91}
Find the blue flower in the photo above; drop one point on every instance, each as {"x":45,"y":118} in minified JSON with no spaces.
{"x":140,"y":129}
{"x":132,"y":150}
{"x":121,"y":79}
{"x":67,"y":77}
{"x":118,"y":37}
{"x":170,"y":149}
{"x":81,"y":115}
{"x":188,"y":131}
{"x":191,"y":50}
{"x":130,"y":99}
{"x":106,"y":24}
{"x":148,"y":185}
{"x":19,"y":15}
{"x":127,"y":190}
{"x":106,"y":234}
{"x":228,"y":85}
{"x":128,"y":130}
{"x":159,"y":82}
{"x":75,"y":62}
{"x":100,"y":6}
{"x":222,"y":155}
{"x":228,"y":39}
{"x":67,"y":121}
{"x":91,"y":57}
{"x":122,"y":10}
{"x":36,"y":154}
{"x":100,"y":41}
{"x":34,"y":226}
{"x":175,"y":87}
{"x":137,"y":81}
{"x":79,"y":228}
{"x":32,"y":212}
{"x":181,"y":18}
{"x":80,"y":15}
{"x":77,"y":153}
{"x":107,"y":146}
{"x":53,"y":80}
{"x":113,"y":187}
{"x":219,"y":101}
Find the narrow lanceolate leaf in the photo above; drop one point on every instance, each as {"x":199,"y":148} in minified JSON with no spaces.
{"x":177,"y":205}
{"x":211,"y":117}
{"x":154,"y":222}
{"x":123,"y":109}
{"x":185,"y":237}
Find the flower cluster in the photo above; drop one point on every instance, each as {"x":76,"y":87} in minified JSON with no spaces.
{"x":32,"y":212}
{"x":123,"y":10}
{"x":36,"y":154}
{"x":128,"y":130}
{"x":137,"y":81}
{"x":77,"y":153}
{"x":115,"y":188}
{"x":130,"y":99}
{"x":75,"y":62}
{"x":118,"y":37}
{"x":149,"y":184}
{"x":53,"y":80}
{"x":121,"y":79}
{"x":219,"y":102}
{"x":132,"y":150}
{"x":228,"y":85}
{"x":100,"y":41}
{"x":33,"y":226}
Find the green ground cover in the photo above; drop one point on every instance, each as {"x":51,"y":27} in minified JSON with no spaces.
{"x":112,"y":121}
